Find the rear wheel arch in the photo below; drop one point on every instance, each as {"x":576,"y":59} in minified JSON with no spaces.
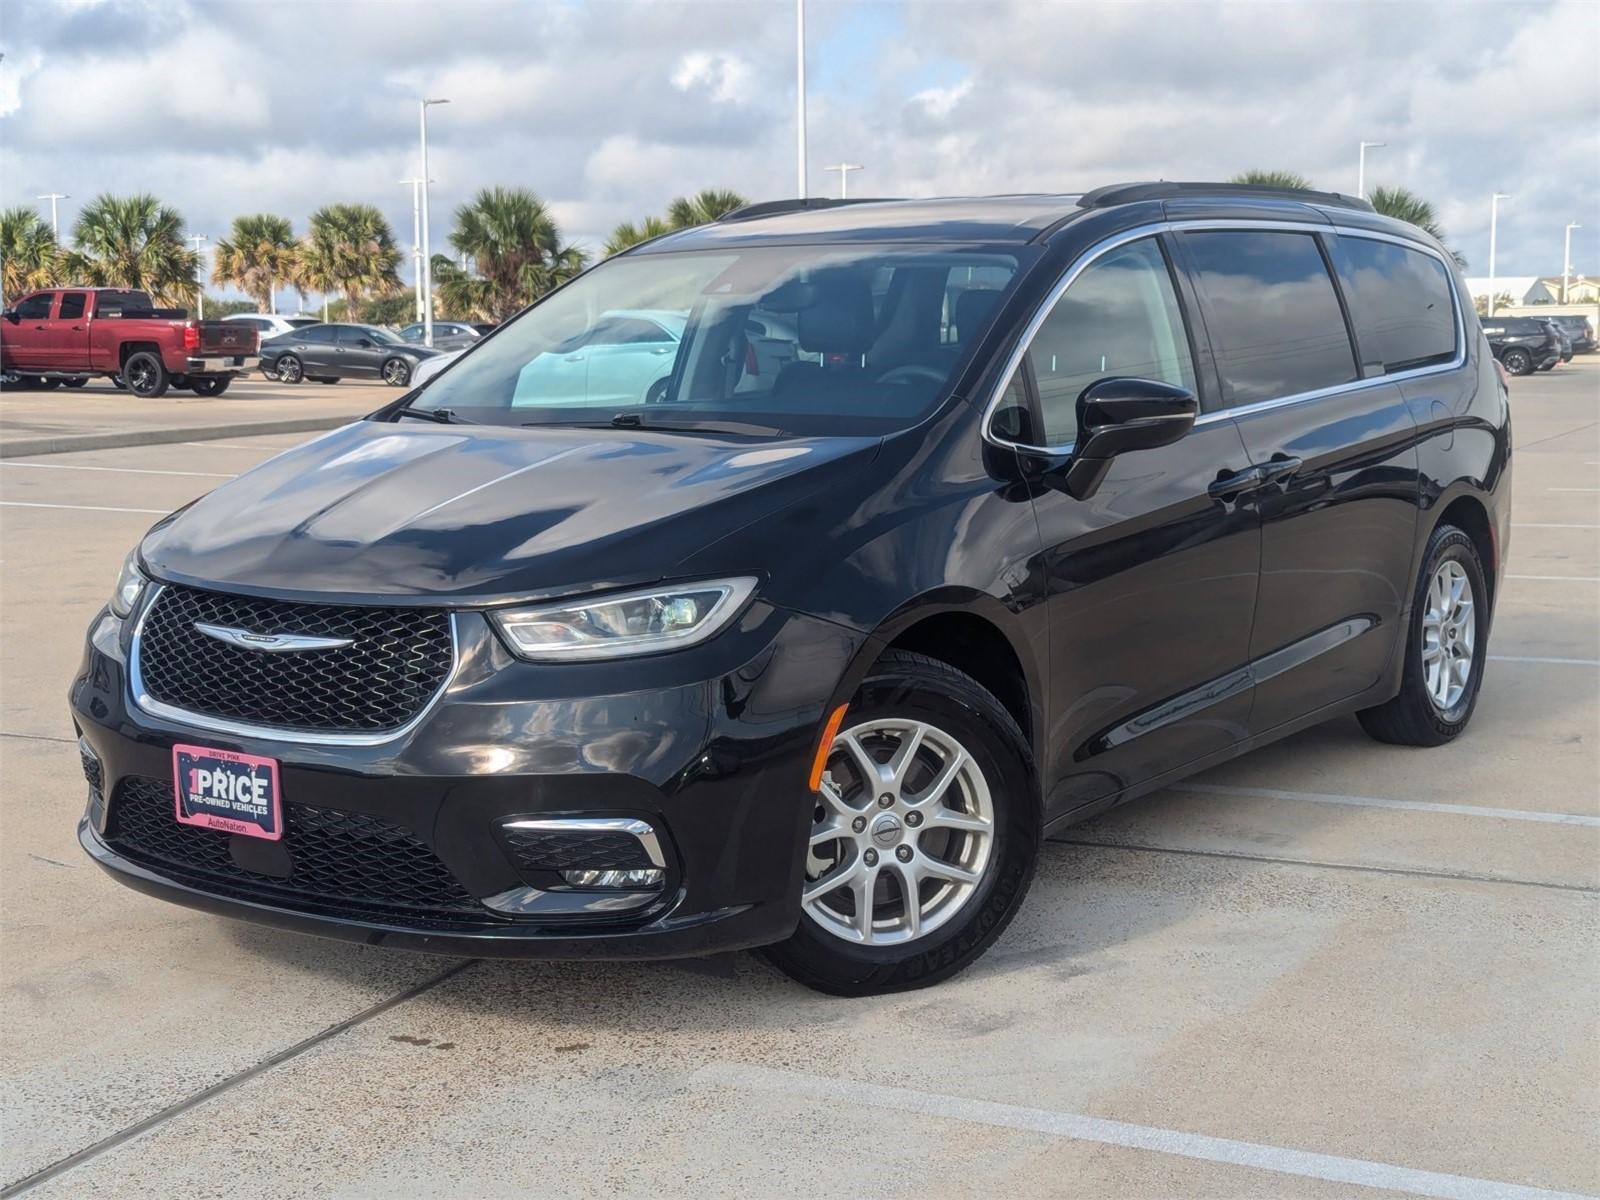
{"x":128,"y":349}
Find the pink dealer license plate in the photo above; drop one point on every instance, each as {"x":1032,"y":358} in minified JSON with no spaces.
{"x":221,"y":789}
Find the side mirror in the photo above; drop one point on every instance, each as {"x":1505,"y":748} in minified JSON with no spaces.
{"x":1119,"y":415}
{"x":11,"y":315}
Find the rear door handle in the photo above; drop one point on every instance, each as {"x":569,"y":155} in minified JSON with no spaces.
{"x":1227,"y":487}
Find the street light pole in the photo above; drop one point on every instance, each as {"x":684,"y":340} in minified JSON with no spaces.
{"x":1494,"y":218}
{"x":800,"y":95}
{"x":1361,"y":169}
{"x":416,"y":240}
{"x":427,"y":258}
{"x":55,"y":227}
{"x":844,"y":170}
{"x":200,"y":239}
{"x":1566,"y":260}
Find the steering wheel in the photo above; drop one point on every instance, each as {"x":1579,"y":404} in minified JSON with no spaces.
{"x":911,"y":372}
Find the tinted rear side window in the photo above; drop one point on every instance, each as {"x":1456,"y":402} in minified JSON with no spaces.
{"x":1400,"y":303}
{"x":72,"y":305}
{"x":1272,"y":313}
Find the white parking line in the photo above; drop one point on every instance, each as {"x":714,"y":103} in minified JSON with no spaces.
{"x":1285,"y":1161}
{"x":26,"y":466}
{"x":226,"y":445}
{"x":1548,"y":525}
{"x":1572,"y":489}
{"x":1454,"y":810}
{"x":1560,"y":578}
{"x":160,"y":512}
{"x":1560,"y":662}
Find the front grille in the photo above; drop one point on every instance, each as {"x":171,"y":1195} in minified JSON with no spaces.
{"x":551,"y":850}
{"x":351,"y":863}
{"x":397,"y":661}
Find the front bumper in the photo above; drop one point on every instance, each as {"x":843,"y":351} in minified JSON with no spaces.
{"x":711,"y":746}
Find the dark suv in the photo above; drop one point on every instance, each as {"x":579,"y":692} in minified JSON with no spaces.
{"x":1523,"y":344}
{"x":1044,"y":503}
{"x":1578,"y":330}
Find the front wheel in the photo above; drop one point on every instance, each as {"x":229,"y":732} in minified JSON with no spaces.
{"x":212,"y":385}
{"x":145,"y":375}
{"x":397,"y":372}
{"x":290,"y":370}
{"x":1445,"y":648}
{"x":77,"y":382}
{"x":1517,"y":361}
{"x":923,"y":838}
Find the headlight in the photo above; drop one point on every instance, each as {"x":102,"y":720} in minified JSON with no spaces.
{"x":130,"y":584}
{"x":644,"y":622}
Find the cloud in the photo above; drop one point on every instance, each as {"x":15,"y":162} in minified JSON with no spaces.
{"x":608,"y":109}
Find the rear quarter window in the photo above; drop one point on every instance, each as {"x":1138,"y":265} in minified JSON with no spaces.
{"x":1401,"y":303}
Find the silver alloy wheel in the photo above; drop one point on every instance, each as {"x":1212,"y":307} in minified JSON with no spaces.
{"x":289,"y":369}
{"x":395,"y":373}
{"x":1449,"y":634}
{"x":903,"y":830}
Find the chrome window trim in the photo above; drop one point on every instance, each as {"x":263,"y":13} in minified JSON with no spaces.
{"x":642,"y":831}
{"x":272,"y":733}
{"x":1101,"y":248}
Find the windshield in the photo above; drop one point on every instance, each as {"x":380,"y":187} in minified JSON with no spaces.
{"x":772,"y":340}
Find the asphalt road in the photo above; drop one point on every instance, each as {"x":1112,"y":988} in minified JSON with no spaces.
{"x":1333,"y":968}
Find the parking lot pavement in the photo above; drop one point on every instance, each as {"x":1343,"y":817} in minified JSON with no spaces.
{"x":99,"y":408}
{"x":1329,"y":968}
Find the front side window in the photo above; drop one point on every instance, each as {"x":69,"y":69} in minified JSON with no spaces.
{"x":1271,"y":312}
{"x":36,"y":308}
{"x":72,"y":305}
{"x":773,"y":340}
{"x":1119,"y":317}
{"x":1400,"y":303}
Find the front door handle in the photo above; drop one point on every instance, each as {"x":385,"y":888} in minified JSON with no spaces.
{"x":1278,"y":469}
{"x":1230,"y":486}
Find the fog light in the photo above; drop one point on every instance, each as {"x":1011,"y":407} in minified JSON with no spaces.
{"x":635,"y":881}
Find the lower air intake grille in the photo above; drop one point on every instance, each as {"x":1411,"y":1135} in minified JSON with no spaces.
{"x":350,"y":863}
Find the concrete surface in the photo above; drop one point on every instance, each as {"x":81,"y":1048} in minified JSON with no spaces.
{"x":97,"y":416}
{"x":1332,"y":968}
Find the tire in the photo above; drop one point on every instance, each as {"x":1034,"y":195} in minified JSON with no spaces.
{"x":999,"y":840}
{"x":213,"y":385}
{"x":289,"y":369}
{"x":396,"y":372}
{"x":74,"y":383}
{"x":656,"y":393}
{"x":1517,"y":361}
{"x":1419,"y":715}
{"x":118,"y":382}
{"x":145,"y":375}
{"x":13,"y":382}
{"x":329,"y":380}
{"x":47,"y":385}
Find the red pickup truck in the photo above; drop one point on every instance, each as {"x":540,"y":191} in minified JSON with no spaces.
{"x":65,"y":335}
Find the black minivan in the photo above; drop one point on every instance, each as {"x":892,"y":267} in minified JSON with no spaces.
{"x":945,"y":524}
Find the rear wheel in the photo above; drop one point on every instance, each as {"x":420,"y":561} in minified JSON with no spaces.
{"x":397,"y":372}
{"x":74,"y":383}
{"x":1445,"y":648}
{"x":290,"y":370}
{"x":48,"y":385}
{"x":1517,"y":361}
{"x":923,"y":838}
{"x":145,"y":375}
{"x":213,"y":385}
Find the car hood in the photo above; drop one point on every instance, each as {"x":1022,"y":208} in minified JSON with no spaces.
{"x":412,"y":513}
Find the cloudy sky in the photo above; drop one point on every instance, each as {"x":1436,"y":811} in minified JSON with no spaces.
{"x":608,"y":108}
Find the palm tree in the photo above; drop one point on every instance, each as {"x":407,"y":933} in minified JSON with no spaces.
{"x":1403,"y":205}
{"x":133,"y":242}
{"x":349,"y":248}
{"x":703,"y":208}
{"x":256,"y":256}
{"x":1277,"y":179}
{"x":628,"y":234}
{"x":28,"y":251}
{"x":516,"y":250}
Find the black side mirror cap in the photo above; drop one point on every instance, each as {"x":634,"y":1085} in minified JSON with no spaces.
{"x":1121,"y":414}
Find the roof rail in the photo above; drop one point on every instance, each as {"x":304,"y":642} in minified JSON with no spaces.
{"x":768,"y":208}
{"x":1127,"y":193}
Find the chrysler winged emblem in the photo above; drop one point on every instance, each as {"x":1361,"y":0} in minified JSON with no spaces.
{"x":272,"y":643}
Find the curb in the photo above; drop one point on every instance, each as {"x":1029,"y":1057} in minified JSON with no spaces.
{"x":65,"y":442}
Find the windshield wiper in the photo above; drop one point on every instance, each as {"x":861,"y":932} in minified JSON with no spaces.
{"x":629,"y":420}
{"x":443,"y":416}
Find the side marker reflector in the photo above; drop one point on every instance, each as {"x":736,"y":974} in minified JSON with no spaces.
{"x":829,"y":732}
